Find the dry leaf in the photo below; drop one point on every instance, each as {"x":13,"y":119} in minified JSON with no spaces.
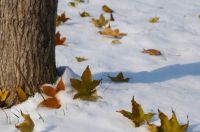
{"x":27,"y":125}
{"x":86,"y":87}
{"x":85,"y":14}
{"x":61,"y":19}
{"x":112,"y":33}
{"x":72,"y":4}
{"x":52,"y":91}
{"x":107,"y":9}
{"x":119,"y":78}
{"x":59,"y":40}
{"x":168,"y":125}
{"x":53,"y":103}
{"x":21,"y":94}
{"x":116,"y":41}
{"x":137,"y":116}
{"x":101,"y":22}
{"x":80,"y":59}
{"x":154,"y":19}
{"x":152,"y":52}
{"x":3,"y":95}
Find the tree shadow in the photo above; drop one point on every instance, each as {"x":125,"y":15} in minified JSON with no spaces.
{"x":158,"y":75}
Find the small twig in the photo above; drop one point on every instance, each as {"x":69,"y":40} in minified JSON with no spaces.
{"x":40,"y":117}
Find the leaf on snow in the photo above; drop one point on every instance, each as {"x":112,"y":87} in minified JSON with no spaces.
{"x":116,"y":41}
{"x":72,"y":4}
{"x":137,"y":116}
{"x":80,"y":59}
{"x":52,"y":91}
{"x":61,"y":19}
{"x":53,"y":103}
{"x":27,"y":125}
{"x":119,"y":78}
{"x":101,"y":22}
{"x":107,"y":9}
{"x":112,"y":32}
{"x":59,"y":40}
{"x":168,"y":125}
{"x":85,"y":14}
{"x":154,"y":19}
{"x":153,"y":52}
{"x":86,"y":87}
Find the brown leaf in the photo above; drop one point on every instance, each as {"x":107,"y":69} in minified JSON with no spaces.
{"x":112,"y":33}
{"x":61,"y":19}
{"x":119,"y":78}
{"x":101,"y":22}
{"x":53,"y":103}
{"x":107,"y":9}
{"x":59,"y":40}
{"x":153,"y":52}
{"x":80,"y":59}
{"x":27,"y":125}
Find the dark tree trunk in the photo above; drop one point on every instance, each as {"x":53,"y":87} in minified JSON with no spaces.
{"x":27,"y":49}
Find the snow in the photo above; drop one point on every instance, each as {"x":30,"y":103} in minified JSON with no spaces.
{"x":167,"y":82}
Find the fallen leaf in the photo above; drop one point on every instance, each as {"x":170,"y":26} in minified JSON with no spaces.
{"x":112,"y":33}
{"x":154,"y":19}
{"x":4,"y":95}
{"x":101,"y":22}
{"x":168,"y":125}
{"x":80,"y":59}
{"x":61,"y":19}
{"x":72,"y":4}
{"x":86,"y":87}
{"x":119,"y":78}
{"x":59,"y":40}
{"x":27,"y":125}
{"x":52,"y":91}
{"x":116,"y":41}
{"x":85,"y":14}
{"x":137,"y":116}
{"x":153,"y":52}
{"x":53,"y":103}
{"x":107,"y":9}
{"x":21,"y":94}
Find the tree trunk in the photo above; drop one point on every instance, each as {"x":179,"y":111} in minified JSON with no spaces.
{"x":27,"y":49}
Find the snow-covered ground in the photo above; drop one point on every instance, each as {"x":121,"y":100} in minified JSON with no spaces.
{"x":167,"y":82}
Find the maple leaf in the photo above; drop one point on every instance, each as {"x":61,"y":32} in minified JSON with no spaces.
{"x":22,"y":96}
{"x":4,"y":94}
{"x":86,"y":87}
{"x":153,"y":52}
{"x":137,"y":116}
{"x":101,"y":22}
{"x":58,"y":39}
{"x":53,"y":103}
{"x":85,"y":14}
{"x":52,"y":91}
{"x":80,"y":59}
{"x":107,"y":9}
{"x":61,"y":19}
{"x":168,"y":125}
{"x":154,"y":19}
{"x":119,"y":78}
{"x":27,"y":125}
{"x":112,"y":32}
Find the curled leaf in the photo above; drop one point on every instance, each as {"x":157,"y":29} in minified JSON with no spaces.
{"x":154,"y":19}
{"x":53,"y":103}
{"x":85,"y":14}
{"x":27,"y":125}
{"x":137,"y":116}
{"x":107,"y":9}
{"x":80,"y":59}
{"x":119,"y":78}
{"x":153,"y":52}
{"x":59,"y":40}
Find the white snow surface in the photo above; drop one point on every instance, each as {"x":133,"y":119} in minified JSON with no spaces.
{"x":171,"y":81}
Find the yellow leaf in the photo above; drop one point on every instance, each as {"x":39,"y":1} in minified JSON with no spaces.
{"x":112,"y":33}
{"x":137,"y":116}
{"x":3,"y":95}
{"x":168,"y":125}
{"x":72,"y":4}
{"x":116,"y":41}
{"x":85,"y":14}
{"x":119,"y":78}
{"x":27,"y":125}
{"x":21,"y":94}
{"x":154,"y":19}
{"x":153,"y":52}
{"x":101,"y":22}
{"x":86,"y":87}
{"x":107,"y":9}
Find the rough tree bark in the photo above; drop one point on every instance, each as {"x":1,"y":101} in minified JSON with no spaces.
{"x":27,"y":49}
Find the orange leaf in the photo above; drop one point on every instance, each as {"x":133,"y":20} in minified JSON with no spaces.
{"x":58,"y":39}
{"x":152,"y":52}
{"x":53,"y":103}
{"x":60,"y":86}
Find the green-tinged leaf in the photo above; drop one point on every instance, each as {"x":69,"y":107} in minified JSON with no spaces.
{"x":72,"y":4}
{"x":119,"y":78}
{"x":85,"y":14}
{"x":81,"y":59}
{"x":154,"y":19}
{"x":116,"y":41}
{"x":107,"y":9}
{"x":137,"y":116}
